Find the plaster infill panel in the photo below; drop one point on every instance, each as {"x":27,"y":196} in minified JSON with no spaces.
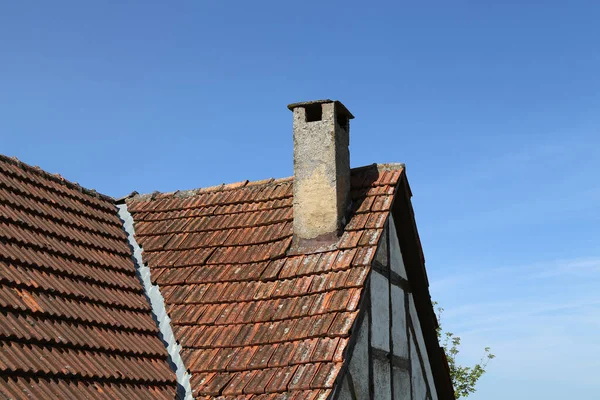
{"x":401,"y":384}
{"x":345,"y":391}
{"x":396,"y":261}
{"x":382,"y":379}
{"x":359,"y":362}
{"x":399,"y":338}
{"x":419,"y":386}
{"x":421,"y":343}
{"x":381,"y":256}
{"x":380,"y":312}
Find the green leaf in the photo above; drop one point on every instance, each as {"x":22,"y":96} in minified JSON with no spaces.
{"x":464,"y":378}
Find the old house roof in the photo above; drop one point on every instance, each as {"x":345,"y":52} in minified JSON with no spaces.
{"x":252,"y":318}
{"x":74,"y":320}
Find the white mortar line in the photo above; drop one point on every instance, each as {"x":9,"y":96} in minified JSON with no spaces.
{"x":157,"y":303}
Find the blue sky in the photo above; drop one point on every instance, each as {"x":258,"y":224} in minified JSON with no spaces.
{"x":492,"y":105}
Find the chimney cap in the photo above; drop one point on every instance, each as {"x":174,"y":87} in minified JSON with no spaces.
{"x":339,"y":104}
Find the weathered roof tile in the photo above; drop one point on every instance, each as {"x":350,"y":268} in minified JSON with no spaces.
{"x":269,"y":325}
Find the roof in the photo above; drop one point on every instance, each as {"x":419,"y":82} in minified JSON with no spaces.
{"x":250,"y":318}
{"x":74,"y":319}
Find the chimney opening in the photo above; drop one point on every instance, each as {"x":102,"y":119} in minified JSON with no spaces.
{"x":342,"y":121}
{"x":313,"y":112}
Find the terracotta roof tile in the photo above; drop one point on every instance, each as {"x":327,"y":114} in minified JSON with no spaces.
{"x":259,"y":381}
{"x":303,"y":377}
{"x":242,"y":358}
{"x":16,"y":387}
{"x":75,"y":321}
{"x":282,"y":354}
{"x":280,"y":380}
{"x":303,"y":351}
{"x":236,"y":385}
{"x":215,"y":384}
{"x":252,"y":320}
{"x":363,"y":205}
{"x":325,"y":375}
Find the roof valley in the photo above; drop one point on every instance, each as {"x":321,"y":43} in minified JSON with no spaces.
{"x":158,"y":306}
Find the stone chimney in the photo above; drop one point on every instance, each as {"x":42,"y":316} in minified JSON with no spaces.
{"x":321,"y":171}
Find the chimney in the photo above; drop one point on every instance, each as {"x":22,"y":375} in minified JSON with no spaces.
{"x":321,"y":171}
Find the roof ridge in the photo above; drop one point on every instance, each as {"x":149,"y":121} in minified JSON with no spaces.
{"x":223,"y":187}
{"x":58,"y":178}
{"x":381,"y":167}
{"x":394,"y":166}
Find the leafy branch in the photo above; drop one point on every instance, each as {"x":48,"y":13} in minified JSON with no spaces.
{"x":464,"y":378}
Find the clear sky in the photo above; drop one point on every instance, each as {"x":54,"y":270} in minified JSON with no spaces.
{"x":494,"y":107}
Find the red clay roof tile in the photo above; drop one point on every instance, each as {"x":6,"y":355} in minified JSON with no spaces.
{"x":303,"y":377}
{"x":236,"y":385}
{"x":281,"y":378}
{"x":325,"y":376}
{"x":303,"y":351}
{"x":242,"y":358}
{"x":76,"y":321}
{"x":259,"y":381}
{"x":282,"y":355}
{"x":215,"y":385}
{"x":278,"y":324}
